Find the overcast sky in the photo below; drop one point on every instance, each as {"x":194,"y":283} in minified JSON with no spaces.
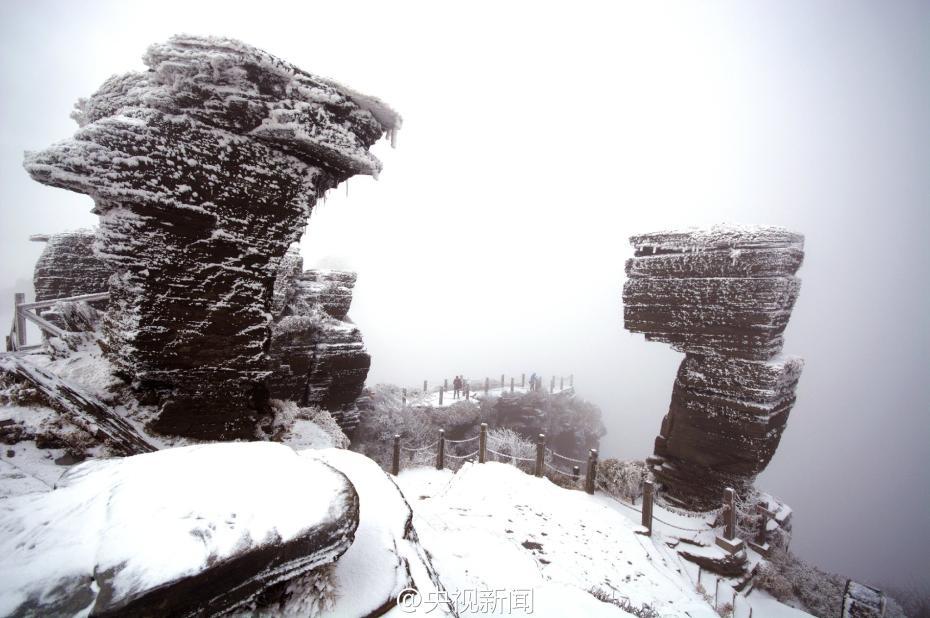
{"x":537,"y":138}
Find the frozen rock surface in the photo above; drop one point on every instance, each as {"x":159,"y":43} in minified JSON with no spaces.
{"x":723,"y":296}
{"x":198,"y":530}
{"x":318,"y":356}
{"x":204,"y":170}
{"x":386,"y":556}
{"x":68,"y":267}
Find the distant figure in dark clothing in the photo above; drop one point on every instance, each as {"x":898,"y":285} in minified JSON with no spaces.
{"x":533,"y":382}
{"x":456,"y":387}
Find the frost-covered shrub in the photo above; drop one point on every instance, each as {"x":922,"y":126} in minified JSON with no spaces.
{"x":725,"y":610}
{"x":58,"y":434}
{"x":17,"y":393}
{"x":641,"y":611}
{"x":786,"y":576}
{"x":325,"y":421}
{"x":286,"y":413}
{"x":912,"y":601}
{"x":507,"y":446}
{"x":767,"y":577}
{"x":374,"y":436}
{"x":622,"y":479}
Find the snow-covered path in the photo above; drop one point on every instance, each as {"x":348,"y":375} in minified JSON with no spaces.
{"x":490,"y":527}
{"x":432,"y":398}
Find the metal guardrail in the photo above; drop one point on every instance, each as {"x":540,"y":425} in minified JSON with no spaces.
{"x":23,"y":312}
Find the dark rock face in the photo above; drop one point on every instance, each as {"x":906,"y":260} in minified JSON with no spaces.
{"x":571,"y":425}
{"x":203,"y":171}
{"x":723,"y":296}
{"x":222,"y":540}
{"x":68,"y":267}
{"x":317,"y":354}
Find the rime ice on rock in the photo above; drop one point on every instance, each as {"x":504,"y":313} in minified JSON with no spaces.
{"x":204,"y":170}
{"x":68,"y":267}
{"x":723,"y":296}
{"x":317,"y":354}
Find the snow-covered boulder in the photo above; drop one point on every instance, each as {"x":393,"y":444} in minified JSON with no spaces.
{"x":723,"y":296}
{"x":204,"y":170}
{"x":386,"y":557}
{"x":194,"y":530}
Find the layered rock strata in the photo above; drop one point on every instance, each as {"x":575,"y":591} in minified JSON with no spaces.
{"x":68,"y":266}
{"x":204,"y":170}
{"x":317,"y":354}
{"x":723,"y":296}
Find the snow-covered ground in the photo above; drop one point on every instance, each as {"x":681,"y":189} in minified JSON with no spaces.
{"x":490,"y":527}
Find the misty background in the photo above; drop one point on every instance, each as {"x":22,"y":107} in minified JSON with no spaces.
{"x":537,"y":138}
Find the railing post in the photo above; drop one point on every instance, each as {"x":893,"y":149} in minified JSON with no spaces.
{"x":592,"y":471}
{"x":762,"y":534}
{"x":561,"y":384}
{"x":502,"y":384}
{"x":540,"y":454}
{"x":18,"y":299}
{"x":445,"y":384}
{"x":522,"y":380}
{"x":483,"y":443}
{"x":424,"y":387}
{"x":552,"y":385}
{"x":441,"y":451}
{"x":441,"y":391}
{"x":487,"y":385}
{"x":576,"y":473}
{"x":467,"y":388}
{"x":729,"y":513}
{"x":404,"y":400}
{"x":511,"y":384}
{"x":395,"y":462}
{"x":648,"y":493}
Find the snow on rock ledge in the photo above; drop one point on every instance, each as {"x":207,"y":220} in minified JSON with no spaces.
{"x":723,"y":296}
{"x":386,"y":556}
{"x":199,"y":529}
{"x":204,"y":170}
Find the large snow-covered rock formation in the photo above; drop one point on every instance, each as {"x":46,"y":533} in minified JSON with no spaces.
{"x":204,"y":170}
{"x":199,"y":530}
{"x":723,"y":296}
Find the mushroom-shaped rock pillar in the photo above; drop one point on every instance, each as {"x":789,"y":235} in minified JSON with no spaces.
{"x":204,"y":170}
{"x":722,"y":296}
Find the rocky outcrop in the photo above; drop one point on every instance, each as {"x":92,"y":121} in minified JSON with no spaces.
{"x":68,"y":266}
{"x":723,"y":296}
{"x":318,"y":357}
{"x":572,"y":426}
{"x":227,"y":520}
{"x":79,"y":408}
{"x":204,"y":170}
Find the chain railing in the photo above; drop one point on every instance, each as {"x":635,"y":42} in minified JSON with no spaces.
{"x":539,"y":466}
{"x":470,"y":389}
